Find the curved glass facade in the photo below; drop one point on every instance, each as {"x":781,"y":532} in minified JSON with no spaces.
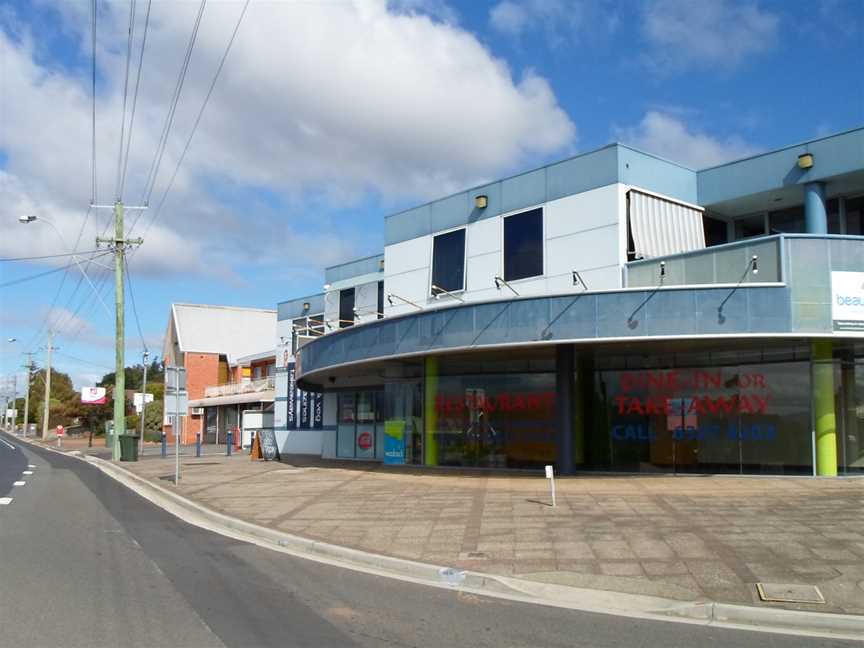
{"x":673,"y":407}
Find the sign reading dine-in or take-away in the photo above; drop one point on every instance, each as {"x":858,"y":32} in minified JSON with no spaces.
{"x":847,"y":301}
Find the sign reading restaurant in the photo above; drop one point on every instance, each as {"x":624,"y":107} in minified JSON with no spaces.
{"x":847,"y":301}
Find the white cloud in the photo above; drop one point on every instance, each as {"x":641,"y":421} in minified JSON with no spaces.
{"x":438,"y":9}
{"x":341,"y":100}
{"x":719,"y":33}
{"x":510,"y":18}
{"x":670,"y":137}
{"x":560,"y":21}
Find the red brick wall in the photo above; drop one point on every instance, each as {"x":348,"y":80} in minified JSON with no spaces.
{"x":202,"y":370}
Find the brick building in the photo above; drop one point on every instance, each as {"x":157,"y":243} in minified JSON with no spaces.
{"x":220,"y":347}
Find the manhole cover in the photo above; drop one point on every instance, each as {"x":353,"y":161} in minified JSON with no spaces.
{"x":775,"y":593}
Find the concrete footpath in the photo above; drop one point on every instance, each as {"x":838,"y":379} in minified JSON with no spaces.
{"x":687,"y":539}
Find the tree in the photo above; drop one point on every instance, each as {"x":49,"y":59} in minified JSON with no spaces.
{"x":135,"y":376}
{"x":66,"y":403}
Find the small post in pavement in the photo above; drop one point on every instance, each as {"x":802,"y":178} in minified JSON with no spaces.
{"x":175,"y":385}
{"x":550,"y":475}
{"x":143,"y":401}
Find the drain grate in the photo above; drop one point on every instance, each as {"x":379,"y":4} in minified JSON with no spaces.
{"x":778,"y":593}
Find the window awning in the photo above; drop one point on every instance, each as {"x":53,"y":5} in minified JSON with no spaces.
{"x":660,"y":226}
{"x":235,"y":399}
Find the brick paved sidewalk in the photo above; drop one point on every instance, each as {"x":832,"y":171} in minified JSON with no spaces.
{"x":687,"y":538}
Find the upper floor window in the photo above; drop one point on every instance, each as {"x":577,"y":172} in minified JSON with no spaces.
{"x":448,"y":261}
{"x":523,"y":245}
{"x":381,"y":297}
{"x":346,"y":307}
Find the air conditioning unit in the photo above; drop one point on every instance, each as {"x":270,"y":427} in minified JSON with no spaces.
{"x":197,"y":411}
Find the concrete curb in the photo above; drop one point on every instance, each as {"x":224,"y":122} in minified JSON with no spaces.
{"x":776,"y":620}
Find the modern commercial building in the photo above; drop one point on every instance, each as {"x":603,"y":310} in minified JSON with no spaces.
{"x":614,"y":311}
{"x":229,"y":359}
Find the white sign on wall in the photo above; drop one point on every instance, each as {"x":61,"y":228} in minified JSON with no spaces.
{"x":847,"y":301}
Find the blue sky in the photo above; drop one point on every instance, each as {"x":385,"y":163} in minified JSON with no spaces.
{"x":328,"y":116}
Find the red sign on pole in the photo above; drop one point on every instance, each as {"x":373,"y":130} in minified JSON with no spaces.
{"x":60,"y":431}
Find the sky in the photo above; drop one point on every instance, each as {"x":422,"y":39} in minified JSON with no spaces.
{"x":326,"y":116}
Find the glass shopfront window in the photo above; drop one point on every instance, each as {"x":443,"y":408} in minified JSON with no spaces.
{"x":359,"y":424}
{"x":849,"y":405}
{"x":493,"y":421}
{"x":403,"y":424}
{"x":735,"y":418}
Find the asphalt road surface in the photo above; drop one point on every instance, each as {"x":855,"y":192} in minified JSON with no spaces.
{"x":85,"y":562}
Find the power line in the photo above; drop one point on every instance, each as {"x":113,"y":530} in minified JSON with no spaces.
{"x":89,"y":362}
{"x":169,"y":119}
{"x":42,"y":274}
{"x":49,"y":256}
{"x":125,"y":95}
{"x":134,"y":307}
{"x":198,"y":117}
{"x":135,"y":98}
{"x":93,"y":130}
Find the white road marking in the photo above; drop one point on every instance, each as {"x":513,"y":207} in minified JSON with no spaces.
{"x":19,"y":483}
{"x":27,"y":472}
{"x":5,"y":500}
{"x":7,"y":444}
{"x":30,"y":466}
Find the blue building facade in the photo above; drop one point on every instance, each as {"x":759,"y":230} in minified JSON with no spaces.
{"x":613,"y":312}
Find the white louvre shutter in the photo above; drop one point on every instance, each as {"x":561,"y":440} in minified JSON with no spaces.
{"x":660,"y":226}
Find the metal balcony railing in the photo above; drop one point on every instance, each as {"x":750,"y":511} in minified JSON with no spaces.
{"x":248,"y":387}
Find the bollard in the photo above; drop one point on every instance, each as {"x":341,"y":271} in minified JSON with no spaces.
{"x":197,"y":444}
{"x":164,"y":445}
{"x":229,"y":444}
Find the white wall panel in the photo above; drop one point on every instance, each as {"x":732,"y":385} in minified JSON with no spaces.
{"x":305,"y":442}
{"x":484,"y":236}
{"x":331,"y":309}
{"x":366,"y":301}
{"x":583,"y":250}
{"x":408,"y":255}
{"x":481,"y":271}
{"x":583,"y":211}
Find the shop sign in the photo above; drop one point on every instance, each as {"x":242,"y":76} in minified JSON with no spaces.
{"x":292,"y":396}
{"x":685,"y":398}
{"x":542,"y":403}
{"x":394,"y":441}
{"x":304,"y":410}
{"x":364,"y":440}
{"x":847,"y":301}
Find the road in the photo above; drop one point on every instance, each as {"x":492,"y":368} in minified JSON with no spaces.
{"x":85,"y":562}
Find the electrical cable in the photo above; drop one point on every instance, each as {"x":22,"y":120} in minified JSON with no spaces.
{"x":15,"y":282}
{"x":89,"y":362}
{"x":125,"y":95}
{"x":134,"y":307}
{"x":135,"y":98}
{"x":169,"y":119}
{"x":197,"y":118}
{"x":93,"y":9}
{"x":49,"y":256}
